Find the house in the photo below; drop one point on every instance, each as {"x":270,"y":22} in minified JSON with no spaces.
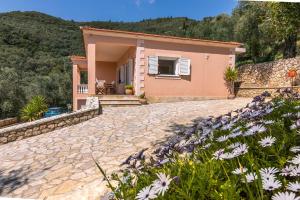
{"x":164,"y":68}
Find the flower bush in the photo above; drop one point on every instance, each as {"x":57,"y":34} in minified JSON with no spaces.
{"x":250,"y":153}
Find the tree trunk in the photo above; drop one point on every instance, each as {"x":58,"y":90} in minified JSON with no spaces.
{"x":290,"y":46}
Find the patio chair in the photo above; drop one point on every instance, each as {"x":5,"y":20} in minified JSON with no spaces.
{"x":100,"y":87}
{"x":110,"y":87}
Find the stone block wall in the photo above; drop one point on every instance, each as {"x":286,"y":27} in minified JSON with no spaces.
{"x":8,"y":121}
{"x":29,"y":129}
{"x":269,"y":76}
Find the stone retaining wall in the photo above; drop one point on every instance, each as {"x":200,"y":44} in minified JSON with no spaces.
{"x":252,"y":92}
{"x":29,"y":129}
{"x":8,"y":121}
{"x":269,"y":76}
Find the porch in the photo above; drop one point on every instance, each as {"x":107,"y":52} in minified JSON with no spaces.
{"x":108,"y":68}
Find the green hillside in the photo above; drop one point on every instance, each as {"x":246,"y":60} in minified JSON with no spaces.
{"x":34,"y":48}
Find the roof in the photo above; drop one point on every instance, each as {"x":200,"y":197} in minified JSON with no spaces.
{"x":155,"y":37}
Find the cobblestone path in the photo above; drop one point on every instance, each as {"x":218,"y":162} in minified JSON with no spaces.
{"x":59,"y":164}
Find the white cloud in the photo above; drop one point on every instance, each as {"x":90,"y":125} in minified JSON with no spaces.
{"x":139,"y":2}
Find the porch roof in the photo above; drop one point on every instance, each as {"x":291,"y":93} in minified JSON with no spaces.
{"x":86,"y":30}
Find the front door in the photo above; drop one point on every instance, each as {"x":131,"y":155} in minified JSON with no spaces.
{"x":125,"y":74}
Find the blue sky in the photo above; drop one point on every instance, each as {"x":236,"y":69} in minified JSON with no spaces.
{"x":121,"y":10}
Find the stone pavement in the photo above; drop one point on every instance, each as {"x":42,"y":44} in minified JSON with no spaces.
{"x":59,"y":164}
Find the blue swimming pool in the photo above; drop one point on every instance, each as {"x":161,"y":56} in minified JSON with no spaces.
{"x":54,"y":111}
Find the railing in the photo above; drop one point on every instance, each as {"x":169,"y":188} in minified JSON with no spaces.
{"x":82,"y":89}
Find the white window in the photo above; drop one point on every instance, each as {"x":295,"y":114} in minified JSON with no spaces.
{"x":169,"y":66}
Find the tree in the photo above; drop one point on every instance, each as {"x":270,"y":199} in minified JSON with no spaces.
{"x":285,"y":18}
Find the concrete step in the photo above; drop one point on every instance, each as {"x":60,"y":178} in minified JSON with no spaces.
{"x":118,"y":97}
{"x":118,"y":100}
{"x":124,"y":102}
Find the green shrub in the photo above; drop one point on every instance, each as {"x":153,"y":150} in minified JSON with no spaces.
{"x":129,"y":87}
{"x":35,"y":109}
{"x":231,"y":75}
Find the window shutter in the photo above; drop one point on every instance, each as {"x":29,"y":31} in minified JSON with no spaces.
{"x":153,"y":64}
{"x":185,"y":66}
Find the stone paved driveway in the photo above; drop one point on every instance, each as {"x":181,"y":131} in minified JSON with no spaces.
{"x":59,"y":164}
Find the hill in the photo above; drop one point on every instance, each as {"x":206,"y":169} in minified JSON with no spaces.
{"x":34,"y":48}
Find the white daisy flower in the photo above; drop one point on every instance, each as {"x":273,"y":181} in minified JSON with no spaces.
{"x":267,"y":122}
{"x":297,"y":107}
{"x":250,"y":124}
{"x":227,"y":156}
{"x":255,"y":113}
{"x":268,"y":171}
{"x":287,"y":114}
{"x":222,"y":138}
{"x":287,"y":170}
{"x":234,"y":145}
{"x":296,"y":160}
{"x":240,"y":170}
{"x":235,"y":134}
{"x":146,"y":193}
{"x":285,"y":196}
{"x":217,"y":155}
{"x":161,"y":185}
{"x":250,"y":177}
{"x":295,"y":149}
{"x":269,"y":110}
{"x":294,"y":186}
{"x":207,"y":146}
{"x":295,"y":171}
{"x":227,"y":126}
{"x":271,"y":184}
{"x":293,"y":126}
{"x":236,"y":129}
{"x":216,"y":126}
{"x":258,"y":128}
{"x":240,"y":150}
{"x":267,"y":141}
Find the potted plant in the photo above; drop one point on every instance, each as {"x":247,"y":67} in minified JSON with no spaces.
{"x":231,"y":75}
{"x":292,"y":73}
{"x":142,"y":99}
{"x":129,"y":89}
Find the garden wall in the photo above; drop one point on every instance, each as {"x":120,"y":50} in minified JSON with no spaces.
{"x":269,"y":76}
{"x":29,"y":129}
{"x":8,"y":121}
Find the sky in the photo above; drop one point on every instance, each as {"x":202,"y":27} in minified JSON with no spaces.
{"x":121,"y":10}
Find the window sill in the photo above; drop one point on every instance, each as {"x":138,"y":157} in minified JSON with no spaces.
{"x":166,"y":76}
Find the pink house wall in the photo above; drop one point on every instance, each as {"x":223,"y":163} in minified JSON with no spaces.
{"x":207,"y":69}
{"x":106,"y":71}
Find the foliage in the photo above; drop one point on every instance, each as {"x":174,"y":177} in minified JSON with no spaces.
{"x":34,"y":109}
{"x":216,"y":160}
{"x":35,"y":47}
{"x":142,"y":96}
{"x":231,"y":74}
{"x":128,"y":87}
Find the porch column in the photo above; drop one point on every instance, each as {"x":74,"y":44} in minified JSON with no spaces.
{"x":91,"y":61}
{"x":139,"y":68}
{"x":76,"y":82}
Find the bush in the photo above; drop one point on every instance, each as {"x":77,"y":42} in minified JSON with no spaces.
{"x":128,"y":87}
{"x":250,"y":153}
{"x":34,"y":109}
